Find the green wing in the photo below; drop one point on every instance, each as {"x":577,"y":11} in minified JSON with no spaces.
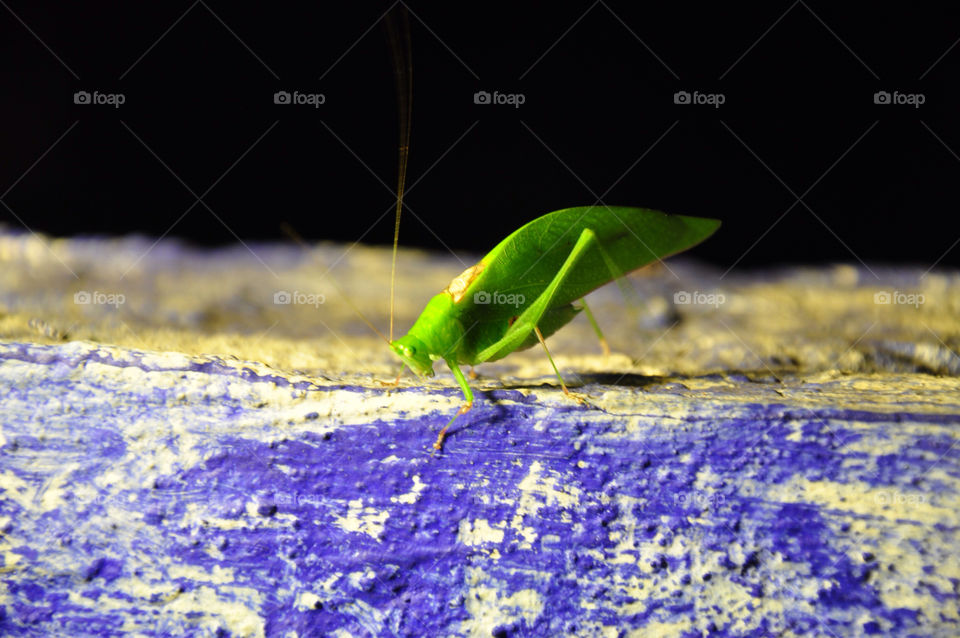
{"x":522,"y":265}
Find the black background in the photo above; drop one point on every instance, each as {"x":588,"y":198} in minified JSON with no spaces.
{"x":598,"y":80}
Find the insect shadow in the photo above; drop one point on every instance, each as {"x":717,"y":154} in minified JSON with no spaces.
{"x":493,"y":410}
{"x":629,"y":380}
{"x":615,"y":379}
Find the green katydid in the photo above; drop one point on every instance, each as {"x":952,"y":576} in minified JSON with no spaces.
{"x":542,"y":268}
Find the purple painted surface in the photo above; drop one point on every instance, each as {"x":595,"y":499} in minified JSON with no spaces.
{"x":684,"y":517}
{"x":779,"y":462}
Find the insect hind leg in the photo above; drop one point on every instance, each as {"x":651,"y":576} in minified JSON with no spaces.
{"x":563,"y":386}
{"x":596,"y":327}
{"x":522,"y":328}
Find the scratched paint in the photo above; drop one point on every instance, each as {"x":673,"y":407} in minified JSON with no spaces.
{"x":796,"y":320}
{"x":161,"y":492}
{"x":780,"y":463}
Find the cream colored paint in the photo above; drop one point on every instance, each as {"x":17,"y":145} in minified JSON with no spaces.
{"x":361,"y":519}
{"x":489,"y":607}
{"x":413,"y":495}
{"x":478,"y":532}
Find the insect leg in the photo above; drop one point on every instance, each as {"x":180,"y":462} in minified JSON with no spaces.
{"x":468,"y":402}
{"x":396,"y":382}
{"x":596,"y":328}
{"x":555,"y":370}
{"x":526,"y":322}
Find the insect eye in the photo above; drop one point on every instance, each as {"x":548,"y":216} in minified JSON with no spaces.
{"x":409,"y":351}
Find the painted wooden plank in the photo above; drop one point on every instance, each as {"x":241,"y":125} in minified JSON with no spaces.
{"x":760,"y":472}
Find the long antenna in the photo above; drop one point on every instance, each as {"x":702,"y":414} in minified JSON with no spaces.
{"x":403,"y":75}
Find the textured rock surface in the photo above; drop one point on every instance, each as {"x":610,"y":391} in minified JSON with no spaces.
{"x":778,"y":459}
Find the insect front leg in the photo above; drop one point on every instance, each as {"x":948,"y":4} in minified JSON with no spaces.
{"x":393,"y":385}
{"x":467,"y":405}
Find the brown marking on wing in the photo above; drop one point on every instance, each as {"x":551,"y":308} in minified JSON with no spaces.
{"x":458,"y":287}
